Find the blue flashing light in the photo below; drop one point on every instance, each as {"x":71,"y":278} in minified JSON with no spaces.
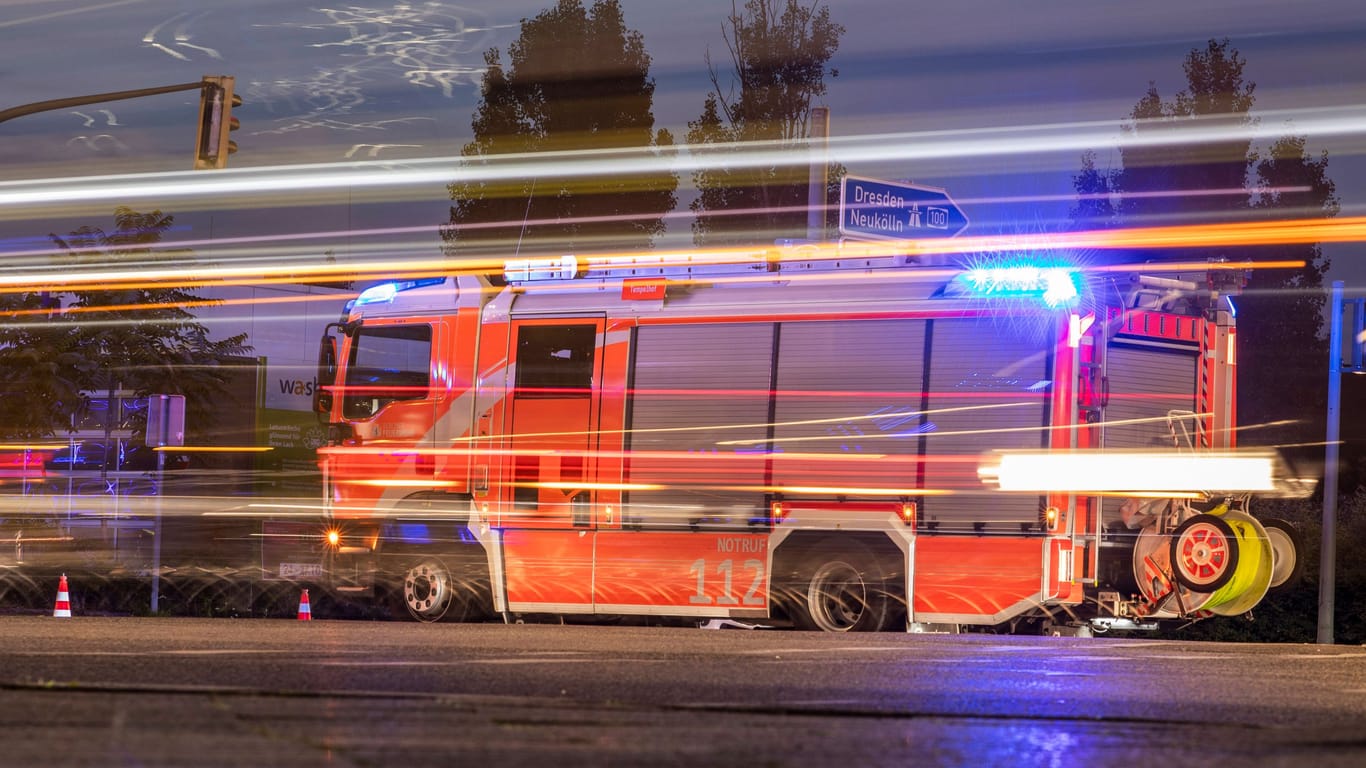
{"x":1055,"y":286}
{"x":414,"y":533}
{"x":385,"y":292}
{"x":1232,"y":308}
{"x":377,"y":294}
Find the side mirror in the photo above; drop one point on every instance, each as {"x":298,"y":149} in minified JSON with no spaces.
{"x":327,"y":374}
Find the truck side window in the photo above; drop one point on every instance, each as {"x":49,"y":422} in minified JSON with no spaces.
{"x":555,"y":360}
{"x":386,"y":363}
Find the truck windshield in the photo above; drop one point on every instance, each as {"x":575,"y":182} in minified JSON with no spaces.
{"x":386,"y":363}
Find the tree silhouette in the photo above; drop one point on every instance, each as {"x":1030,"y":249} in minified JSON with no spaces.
{"x":1201,"y":167}
{"x":778,"y":53}
{"x":1282,"y":359}
{"x":40,"y":376}
{"x":576,"y":80}
{"x":1281,"y":319}
{"x":130,"y":335}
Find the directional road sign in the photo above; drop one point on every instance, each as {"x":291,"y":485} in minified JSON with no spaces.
{"x":889,"y":210}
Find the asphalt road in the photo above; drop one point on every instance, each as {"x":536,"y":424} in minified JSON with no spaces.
{"x":180,"y":691}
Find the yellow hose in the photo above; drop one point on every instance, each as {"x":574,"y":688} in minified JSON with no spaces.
{"x":1252,"y":575}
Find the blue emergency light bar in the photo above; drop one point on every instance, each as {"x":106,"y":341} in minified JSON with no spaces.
{"x":385,"y":292}
{"x":1055,"y":286}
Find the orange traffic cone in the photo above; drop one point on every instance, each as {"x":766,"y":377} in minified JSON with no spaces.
{"x":62,"y":609}
{"x":305,"y":612}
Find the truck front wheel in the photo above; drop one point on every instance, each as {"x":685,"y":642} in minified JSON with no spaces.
{"x":428,"y":590}
{"x":443,"y":588}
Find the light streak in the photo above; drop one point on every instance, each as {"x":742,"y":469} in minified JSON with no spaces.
{"x":764,"y":424}
{"x":213,"y":448}
{"x":65,"y":12}
{"x":151,"y":306}
{"x":1349,"y":229}
{"x":957,"y":432}
{"x":562,"y":486}
{"x":1123,"y":472}
{"x":675,"y":456}
{"x":400,"y":483}
{"x":838,"y":490}
{"x":682,"y":159}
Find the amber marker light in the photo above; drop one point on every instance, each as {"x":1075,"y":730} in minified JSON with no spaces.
{"x":1051,"y":516}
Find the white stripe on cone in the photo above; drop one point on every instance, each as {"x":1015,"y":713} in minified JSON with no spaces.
{"x":62,"y":609}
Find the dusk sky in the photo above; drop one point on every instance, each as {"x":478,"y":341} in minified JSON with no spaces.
{"x":398,"y":81}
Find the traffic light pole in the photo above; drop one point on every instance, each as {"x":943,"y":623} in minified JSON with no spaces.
{"x":97,"y":98}
{"x":213,"y":141}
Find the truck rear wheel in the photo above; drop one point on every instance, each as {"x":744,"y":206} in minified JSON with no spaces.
{"x":839,"y":597}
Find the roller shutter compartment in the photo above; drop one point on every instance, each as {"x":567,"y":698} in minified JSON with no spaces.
{"x":700,"y":394}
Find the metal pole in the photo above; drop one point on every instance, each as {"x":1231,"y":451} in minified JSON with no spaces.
{"x":819,"y":177}
{"x":1328,"y":554}
{"x":1358,"y":341}
{"x":156,"y":530}
{"x":97,"y":98}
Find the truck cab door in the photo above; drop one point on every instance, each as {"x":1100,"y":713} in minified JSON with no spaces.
{"x":546,"y":484}
{"x":551,"y":420}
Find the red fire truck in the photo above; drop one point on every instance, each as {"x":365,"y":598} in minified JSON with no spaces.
{"x":784,"y":437}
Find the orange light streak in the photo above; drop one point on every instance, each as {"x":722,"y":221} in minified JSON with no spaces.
{"x":182,"y":305}
{"x":1280,"y":232}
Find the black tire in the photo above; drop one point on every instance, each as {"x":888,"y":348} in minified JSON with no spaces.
{"x":1204,"y":553}
{"x":1287,"y":567}
{"x":441,"y":589}
{"x":843,"y":591}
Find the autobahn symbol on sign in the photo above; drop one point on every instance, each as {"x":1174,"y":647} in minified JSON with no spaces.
{"x":889,"y":210}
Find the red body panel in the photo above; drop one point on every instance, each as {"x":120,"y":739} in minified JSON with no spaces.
{"x":963,"y":576}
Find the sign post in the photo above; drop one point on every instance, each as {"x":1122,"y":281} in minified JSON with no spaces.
{"x":890,"y":210}
{"x":165,"y":426}
{"x":1336,"y":367}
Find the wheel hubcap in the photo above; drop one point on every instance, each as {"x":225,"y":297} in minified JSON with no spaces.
{"x":427,"y":591}
{"x":1204,"y":554}
{"x":837,"y":598}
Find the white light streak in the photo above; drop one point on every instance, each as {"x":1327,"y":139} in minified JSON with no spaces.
{"x":1120,"y":472}
{"x":850,"y":150}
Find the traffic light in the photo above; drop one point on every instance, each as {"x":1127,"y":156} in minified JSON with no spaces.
{"x":212,"y":143}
